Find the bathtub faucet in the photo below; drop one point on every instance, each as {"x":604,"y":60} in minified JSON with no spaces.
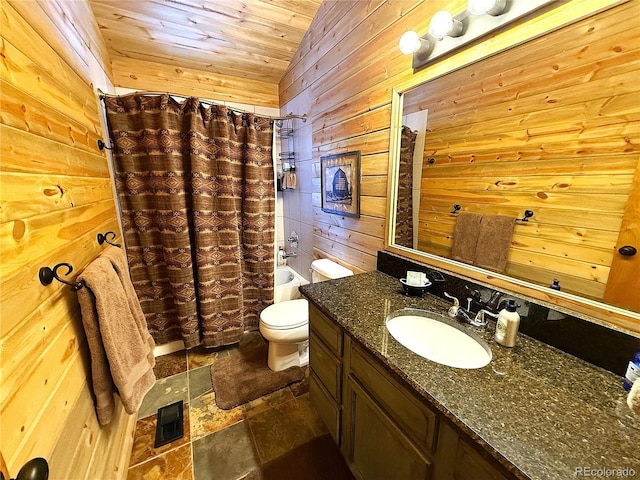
{"x":282,"y":255}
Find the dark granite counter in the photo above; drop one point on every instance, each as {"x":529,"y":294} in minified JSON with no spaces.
{"x":541,"y":412}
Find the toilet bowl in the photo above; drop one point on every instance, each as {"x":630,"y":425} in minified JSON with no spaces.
{"x":285,"y":325}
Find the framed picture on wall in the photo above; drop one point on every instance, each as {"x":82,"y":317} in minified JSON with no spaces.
{"x":340,"y":183}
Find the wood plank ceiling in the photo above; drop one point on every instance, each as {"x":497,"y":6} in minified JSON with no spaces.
{"x":253,"y":39}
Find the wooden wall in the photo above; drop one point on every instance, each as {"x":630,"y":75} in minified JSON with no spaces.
{"x":145,"y":75}
{"x":55,"y":196}
{"x":345,"y":70}
{"x":552,"y":126}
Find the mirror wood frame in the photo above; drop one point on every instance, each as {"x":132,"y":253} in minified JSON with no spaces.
{"x":549,"y":20}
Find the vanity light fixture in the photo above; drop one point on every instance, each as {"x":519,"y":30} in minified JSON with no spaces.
{"x":449,"y":32}
{"x":490,"y":7}
{"x":443,"y":24}
{"x":410,"y":42}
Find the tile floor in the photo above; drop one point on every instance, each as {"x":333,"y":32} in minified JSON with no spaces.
{"x":218,"y":444}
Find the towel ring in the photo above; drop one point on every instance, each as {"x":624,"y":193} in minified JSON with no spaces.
{"x":103,"y":238}
{"x":48,"y":275}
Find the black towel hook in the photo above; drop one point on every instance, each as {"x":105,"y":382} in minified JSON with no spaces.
{"x":48,"y":275}
{"x":103,"y":146}
{"x":456,"y":208}
{"x":102,"y":238}
{"x":527,"y":215}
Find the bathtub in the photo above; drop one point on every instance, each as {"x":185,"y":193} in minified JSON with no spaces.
{"x":287,"y":283}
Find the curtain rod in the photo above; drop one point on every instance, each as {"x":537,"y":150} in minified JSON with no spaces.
{"x":289,"y":116}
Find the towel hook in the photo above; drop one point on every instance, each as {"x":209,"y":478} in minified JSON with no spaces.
{"x":102,"y":238}
{"x":527,"y":215}
{"x":103,"y":146}
{"x":48,"y":275}
{"x":456,"y":208}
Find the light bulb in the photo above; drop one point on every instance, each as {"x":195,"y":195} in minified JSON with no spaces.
{"x":492,"y":7}
{"x":410,"y":42}
{"x":443,"y":24}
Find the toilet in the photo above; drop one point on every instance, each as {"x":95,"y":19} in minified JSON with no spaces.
{"x":285,"y":325}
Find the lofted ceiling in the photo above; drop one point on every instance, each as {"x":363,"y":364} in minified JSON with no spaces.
{"x":253,"y":39}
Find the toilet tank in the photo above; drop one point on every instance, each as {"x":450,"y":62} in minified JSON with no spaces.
{"x":325,"y":269}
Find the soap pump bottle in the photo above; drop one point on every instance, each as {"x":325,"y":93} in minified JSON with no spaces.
{"x":507,"y":324}
{"x":633,"y":372}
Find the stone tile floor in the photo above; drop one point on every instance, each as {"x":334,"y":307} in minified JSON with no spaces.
{"x":218,"y":444}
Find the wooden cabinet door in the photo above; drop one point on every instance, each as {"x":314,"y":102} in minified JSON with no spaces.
{"x":455,"y":459}
{"x":373,"y":446}
{"x":325,"y":405}
{"x":471,"y":466}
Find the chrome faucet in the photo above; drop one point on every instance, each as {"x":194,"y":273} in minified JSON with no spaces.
{"x":282,"y":255}
{"x":453,"y":310}
{"x":456,"y":311}
{"x":480,"y":320}
{"x":459,"y":313}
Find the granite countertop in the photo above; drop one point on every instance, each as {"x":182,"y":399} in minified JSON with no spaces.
{"x":539,"y":411}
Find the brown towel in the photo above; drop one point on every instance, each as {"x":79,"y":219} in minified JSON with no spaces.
{"x":494,"y":241}
{"x":120,"y":352}
{"x":118,"y":259}
{"x":292,"y":181}
{"x":465,"y":236}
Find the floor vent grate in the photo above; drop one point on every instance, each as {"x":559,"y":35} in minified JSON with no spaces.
{"x":170,"y":424}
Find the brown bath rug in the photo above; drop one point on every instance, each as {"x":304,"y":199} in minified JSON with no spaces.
{"x":245,"y":376}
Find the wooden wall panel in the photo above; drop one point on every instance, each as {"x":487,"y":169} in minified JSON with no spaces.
{"x":145,"y":75}
{"x":55,"y":196}
{"x":345,"y":80}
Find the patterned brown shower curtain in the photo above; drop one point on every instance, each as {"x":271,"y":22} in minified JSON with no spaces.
{"x":404,"y":214}
{"x":196,"y":192}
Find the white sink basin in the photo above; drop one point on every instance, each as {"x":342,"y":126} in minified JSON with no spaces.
{"x":436,"y":338}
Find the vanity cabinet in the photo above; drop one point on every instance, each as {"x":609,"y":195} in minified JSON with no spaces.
{"x":325,"y":376}
{"x":384,"y":429}
{"x":387,"y":433}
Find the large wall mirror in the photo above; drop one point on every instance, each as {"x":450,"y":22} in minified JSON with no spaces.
{"x":550,"y":127}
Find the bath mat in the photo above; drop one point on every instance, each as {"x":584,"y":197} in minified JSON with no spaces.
{"x":245,"y":376}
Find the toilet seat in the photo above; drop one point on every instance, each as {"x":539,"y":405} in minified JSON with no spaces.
{"x":286,"y":315}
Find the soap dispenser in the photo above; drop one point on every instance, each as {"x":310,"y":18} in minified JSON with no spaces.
{"x":507,"y":324}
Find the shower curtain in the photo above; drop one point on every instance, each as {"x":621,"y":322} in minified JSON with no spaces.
{"x":404,"y":214}
{"x":196,"y":192}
